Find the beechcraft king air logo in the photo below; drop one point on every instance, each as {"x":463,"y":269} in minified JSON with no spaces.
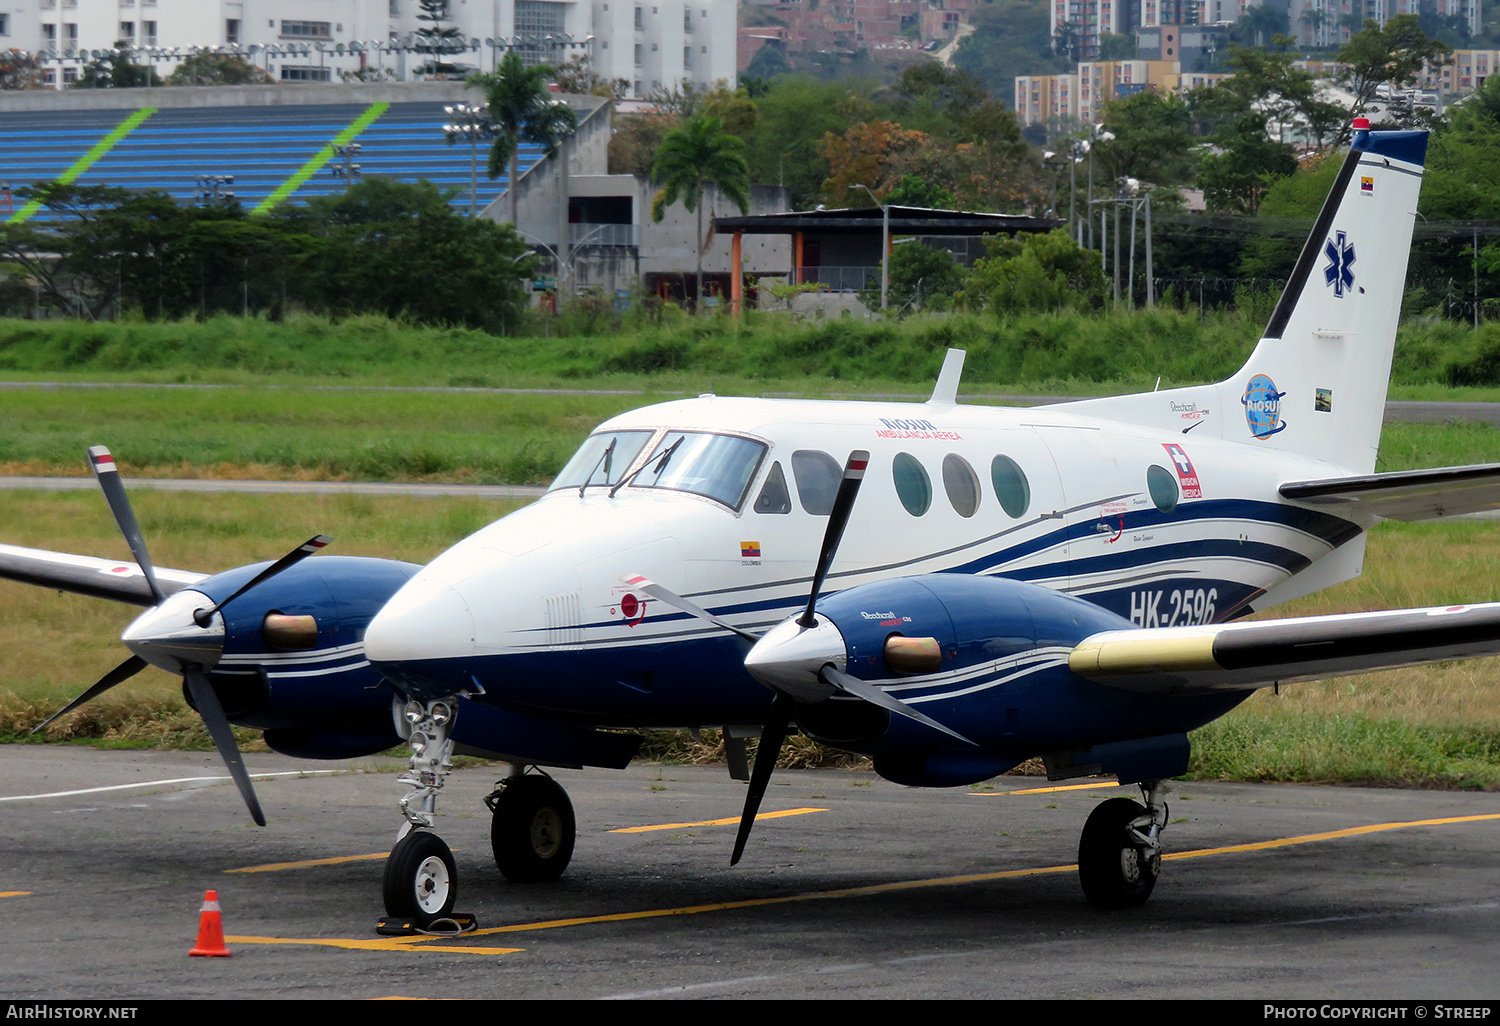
{"x":1263,"y":406}
{"x":1340,"y":253}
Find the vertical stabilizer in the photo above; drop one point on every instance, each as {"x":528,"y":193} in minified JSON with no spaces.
{"x":1317,"y":381}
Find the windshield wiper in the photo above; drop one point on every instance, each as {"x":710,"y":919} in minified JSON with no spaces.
{"x":606,"y":458}
{"x":661,"y":464}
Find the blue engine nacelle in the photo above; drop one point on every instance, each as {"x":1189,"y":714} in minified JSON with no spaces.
{"x":988,"y":657}
{"x":293,"y":663}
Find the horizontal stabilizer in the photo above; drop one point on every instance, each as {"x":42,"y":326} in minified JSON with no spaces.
{"x":1254,"y":654}
{"x":1408,"y":494}
{"x":117,"y":580}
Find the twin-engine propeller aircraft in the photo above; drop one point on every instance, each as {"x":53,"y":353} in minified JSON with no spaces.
{"x":991,"y":585}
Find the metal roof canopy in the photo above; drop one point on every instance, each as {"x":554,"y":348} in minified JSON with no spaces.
{"x":904,"y":221}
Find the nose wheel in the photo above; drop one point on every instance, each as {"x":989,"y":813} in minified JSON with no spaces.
{"x":532,"y":828}
{"x":421,"y":883}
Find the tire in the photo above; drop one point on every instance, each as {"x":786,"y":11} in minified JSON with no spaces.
{"x":1114,"y":871}
{"x":420,"y":882}
{"x":532,"y":830}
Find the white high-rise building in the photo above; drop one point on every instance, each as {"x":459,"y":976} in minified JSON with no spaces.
{"x":653,"y":45}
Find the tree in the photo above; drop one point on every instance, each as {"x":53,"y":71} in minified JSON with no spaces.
{"x":1036,"y":273}
{"x":1396,"y":53}
{"x":1234,"y":179}
{"x":521,"y":109}
{"x":1151,"y":141}
{"x":401,"y":249}
{"x":577,"y":76}
{"x":866,"y":154}
{"x":698,"y":154}
{"x":113,"y":69}
{"x":922,"y":277}
{"x":204,"y":68}
{"x":438,"y":40}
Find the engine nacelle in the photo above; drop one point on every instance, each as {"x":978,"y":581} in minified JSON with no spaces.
{"x":987,"y":657}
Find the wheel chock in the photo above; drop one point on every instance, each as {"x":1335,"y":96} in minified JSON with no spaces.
{"x":450,"y":925}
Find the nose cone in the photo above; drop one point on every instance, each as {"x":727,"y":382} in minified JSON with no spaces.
{"x":425,"y":622}
{"x":790,"y":658}
{"x":168,"y":637}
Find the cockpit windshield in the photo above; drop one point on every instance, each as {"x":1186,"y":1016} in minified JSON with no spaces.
{"x":602,"y":459}
{"x":718,"y":466}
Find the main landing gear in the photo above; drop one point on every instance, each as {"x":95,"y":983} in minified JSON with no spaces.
{"x":532,"y":830}
{"x":1119,"y":854}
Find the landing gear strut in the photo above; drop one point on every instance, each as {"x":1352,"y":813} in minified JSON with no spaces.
{"x":421,"y":882}
{"x":1119,"y":854}
{"x":532,"y":830}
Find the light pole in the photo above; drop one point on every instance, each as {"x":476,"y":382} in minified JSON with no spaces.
{"x":885,"y":246}
{"x":348,"y":170}
{"x":470,"y":122}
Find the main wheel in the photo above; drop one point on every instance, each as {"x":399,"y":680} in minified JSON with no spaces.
{"x":1115,"y":871}
{"x":533,"y":829}
{"x":420,"y":880}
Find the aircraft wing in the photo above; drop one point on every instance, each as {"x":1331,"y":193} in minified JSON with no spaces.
{"x":1247,"y":655}
{"x":118,"y":580}
{"x":1407,"y":494}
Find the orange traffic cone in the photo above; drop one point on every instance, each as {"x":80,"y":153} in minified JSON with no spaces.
{"x":210,"y":929}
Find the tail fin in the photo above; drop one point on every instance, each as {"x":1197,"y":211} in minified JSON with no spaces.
{"x":1317,"y":380}
{"x":1316,"y":383}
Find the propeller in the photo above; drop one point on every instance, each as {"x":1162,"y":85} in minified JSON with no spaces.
{"x":799,"y":659}
{"x":176,"y":634}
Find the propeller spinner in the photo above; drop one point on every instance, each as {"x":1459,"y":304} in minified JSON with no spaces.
{"x":179,"y":633}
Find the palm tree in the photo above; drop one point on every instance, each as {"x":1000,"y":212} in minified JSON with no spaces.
{"x":697,"y":154}
{"x":521,"y":109}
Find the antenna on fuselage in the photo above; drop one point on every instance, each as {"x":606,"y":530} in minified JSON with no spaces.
{"x":945,"y":392}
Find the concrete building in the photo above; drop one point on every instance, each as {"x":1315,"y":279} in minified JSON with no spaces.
{"x":651,"y":45}
{"x":1083,"y":94}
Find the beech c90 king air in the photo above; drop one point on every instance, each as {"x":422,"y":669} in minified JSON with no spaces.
{"x":948,"y":589}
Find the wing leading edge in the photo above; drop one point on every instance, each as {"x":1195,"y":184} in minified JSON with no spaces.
{"x":117,"y":580}
{"x":1255,"y":654}
{"x":1408,"y":494}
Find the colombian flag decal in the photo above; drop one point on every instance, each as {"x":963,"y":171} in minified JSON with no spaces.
{"x":750,"y":550}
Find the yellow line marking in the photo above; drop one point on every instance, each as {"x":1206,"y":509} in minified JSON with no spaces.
{"x":376,"y":944}
{"x":731,"y":821}
{"x":272,"y":867}
{"x":14,"y":894}
{"x":1043,"y":790}
{"x":425,"y":944}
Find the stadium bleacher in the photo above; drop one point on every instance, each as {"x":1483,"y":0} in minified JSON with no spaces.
{"x":276,"y":154}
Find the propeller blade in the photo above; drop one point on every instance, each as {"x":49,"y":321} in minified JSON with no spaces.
{"x":108,"y":476}
{"x":771,"y":738}
{"x":875,"y":696}
{"x":656,"y":591}
{"x":218,"y":728}
{"x":838,"y":519}
{"x":297,"y":555}
{"x":129,"y":668}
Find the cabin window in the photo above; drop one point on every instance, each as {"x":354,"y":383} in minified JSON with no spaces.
{"x":913,"y":486}
{"x":602,"y":459}
{"x":1163,"y":488}
{"x":720,"y":467}
{"x":774,"y":497}
{"x":1011,"y":486}
{"x":961,"y":484}
{"x":817,"y":475}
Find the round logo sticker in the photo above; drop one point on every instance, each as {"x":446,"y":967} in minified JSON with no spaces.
{"x":1263,"y":407}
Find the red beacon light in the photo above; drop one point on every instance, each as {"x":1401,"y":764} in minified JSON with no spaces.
{"x":1361,"y":123}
